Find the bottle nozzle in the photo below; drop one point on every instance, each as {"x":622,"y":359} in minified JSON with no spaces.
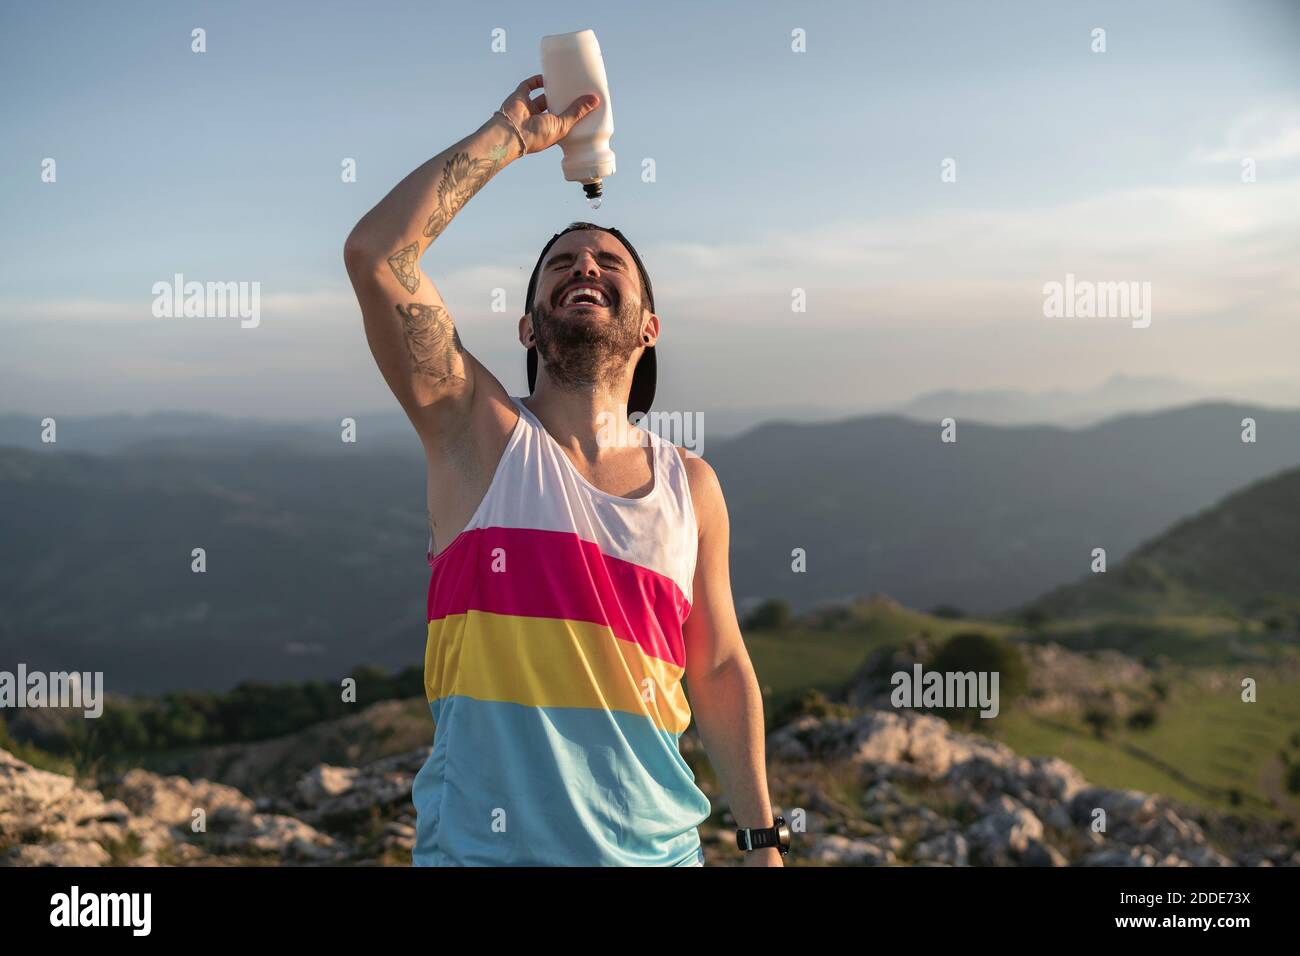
{"x":593,"y":191}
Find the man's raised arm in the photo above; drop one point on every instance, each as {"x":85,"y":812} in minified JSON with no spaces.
{"x":410,"y":332}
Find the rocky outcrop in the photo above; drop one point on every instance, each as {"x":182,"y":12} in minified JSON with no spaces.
{"x":47,"y":820}
{"x":331,"y":815}
{"x":959,"y":799}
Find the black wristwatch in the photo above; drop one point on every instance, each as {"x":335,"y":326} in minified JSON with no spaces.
{"x":758,"y":838}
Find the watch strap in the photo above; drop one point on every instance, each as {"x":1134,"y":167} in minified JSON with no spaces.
{"x":759,"y":838}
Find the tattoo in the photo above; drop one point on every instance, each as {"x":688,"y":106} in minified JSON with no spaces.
{"x":405,"y":265}
{"x":461,"y":178}
{"x":432,"y":341}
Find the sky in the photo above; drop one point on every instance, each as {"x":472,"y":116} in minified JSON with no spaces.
{"x":775,"y":170}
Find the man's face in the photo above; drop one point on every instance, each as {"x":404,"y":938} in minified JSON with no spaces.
{"x":588,"y":315}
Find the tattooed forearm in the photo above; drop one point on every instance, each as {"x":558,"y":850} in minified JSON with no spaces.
{"x":431,"y":341}
{"x":461,"y":178}
{"x":405,"y":264}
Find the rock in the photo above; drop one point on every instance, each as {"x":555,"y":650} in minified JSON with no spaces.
{"x":1003,"y":833}
{"x":949,"y":849}
{"x":324,"y":782}
{"x":398,"y":836}
{"x":843,"y":851}
{"x":1207,"y":856}
{"x":282,"y":836}
{"x":57,"y":820}
{"x":1137,"y":818}
{"x":173,"y":800}
{"x":1132,"y":856}
{"x":65,"y":853}
{"x":1038,"y":853}
{"x":336,"y":795}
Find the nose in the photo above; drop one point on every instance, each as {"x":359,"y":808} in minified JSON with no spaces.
{"x":585,"y":265}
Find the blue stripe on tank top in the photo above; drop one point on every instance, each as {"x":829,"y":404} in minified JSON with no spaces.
{"x":571,"y":786}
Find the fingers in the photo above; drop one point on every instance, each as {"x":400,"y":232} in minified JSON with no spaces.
{"x":581,"y":107}
{"x":534,"y":82}
{"x":537,"y":104}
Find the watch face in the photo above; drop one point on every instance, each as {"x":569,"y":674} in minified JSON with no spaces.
{"x":782,"y":833}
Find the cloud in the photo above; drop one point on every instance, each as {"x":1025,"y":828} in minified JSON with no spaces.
{"x":1210,"y":249}
{"x":1265,"y":134}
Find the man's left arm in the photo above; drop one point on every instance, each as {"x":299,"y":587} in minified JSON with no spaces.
{"x":723,"y":691}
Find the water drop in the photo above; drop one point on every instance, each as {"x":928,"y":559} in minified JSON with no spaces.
{"x":595,"y":201}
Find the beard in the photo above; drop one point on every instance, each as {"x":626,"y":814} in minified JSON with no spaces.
{"x":585,"y":351}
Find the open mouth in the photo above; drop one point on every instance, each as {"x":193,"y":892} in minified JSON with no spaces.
{"x":588,"y":295}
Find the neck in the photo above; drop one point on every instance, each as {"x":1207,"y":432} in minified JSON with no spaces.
{"x":577,"y":417}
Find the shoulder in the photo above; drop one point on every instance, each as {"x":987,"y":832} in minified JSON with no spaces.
{"x":706,"y":490}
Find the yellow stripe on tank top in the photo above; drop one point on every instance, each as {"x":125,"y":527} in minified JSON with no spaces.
{"x":550,"y":662}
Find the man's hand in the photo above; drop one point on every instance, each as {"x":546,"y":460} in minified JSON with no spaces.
{"x":768,"y":856}
{"x":543,"y":129}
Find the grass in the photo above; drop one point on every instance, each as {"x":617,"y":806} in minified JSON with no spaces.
{"x":793,"y":660}
{"x":1199,"y":642}
{"x":1206,"y":744}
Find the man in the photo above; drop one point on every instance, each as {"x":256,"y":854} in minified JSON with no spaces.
{"x":575,"y":581}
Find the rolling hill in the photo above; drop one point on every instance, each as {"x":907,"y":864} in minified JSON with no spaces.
{"x":1239,"y":557}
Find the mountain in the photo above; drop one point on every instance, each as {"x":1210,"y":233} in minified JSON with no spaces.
{"x":314,"y":562}
{"x":1242,"y":556}
{"x":316,"y":550}
{"x":880,"y":504}
{"x":191,"y":432}
{"x":1118,"y":395}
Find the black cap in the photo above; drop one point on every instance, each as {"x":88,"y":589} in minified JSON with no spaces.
{"x":642,"y":393}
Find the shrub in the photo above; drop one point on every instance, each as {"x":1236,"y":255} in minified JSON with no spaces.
{"x":1293,"y":778}
{"x":974,"y":651}
{"x":1034,"y":617}
{"x":1100,"y":719}
{"x":770,"y":615}
{"x":1144,"y":718}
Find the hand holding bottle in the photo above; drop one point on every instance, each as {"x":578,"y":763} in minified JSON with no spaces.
{"x":540,"y":127}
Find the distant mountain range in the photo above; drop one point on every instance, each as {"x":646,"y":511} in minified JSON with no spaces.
{"x":315,"y":548}
{"x":986,"y":523}
{"x":313,"y":560}
{"x":1118,"y":395}
{"x":1240,"y":557}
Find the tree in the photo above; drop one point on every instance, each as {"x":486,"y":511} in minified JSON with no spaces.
{"x":770,"y":615}
{"x":1100,"y":719}
{"x":981,"y":653}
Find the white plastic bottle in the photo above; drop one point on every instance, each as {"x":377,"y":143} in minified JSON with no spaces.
{"x":572,"y":67}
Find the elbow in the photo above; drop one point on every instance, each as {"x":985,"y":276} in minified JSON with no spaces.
{"x":357,"y":257}
{"x":360,"y":254}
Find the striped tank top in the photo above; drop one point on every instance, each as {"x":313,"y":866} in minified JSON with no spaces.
{"x":553,"y":669}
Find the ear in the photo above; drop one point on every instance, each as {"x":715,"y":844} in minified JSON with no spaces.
{"x":526,"y":330}
{"x":650,"y":328}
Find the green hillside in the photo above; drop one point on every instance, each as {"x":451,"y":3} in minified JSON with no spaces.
{"x":1237,"y":559}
